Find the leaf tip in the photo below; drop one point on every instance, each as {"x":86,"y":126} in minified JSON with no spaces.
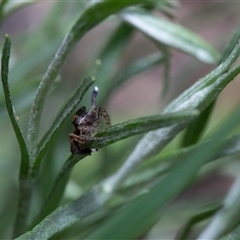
{"x":6,"y":36}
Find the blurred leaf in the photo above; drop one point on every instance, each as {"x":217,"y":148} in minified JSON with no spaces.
{"x":166,"y":70}
{"x":232,"y":43}
{"x":131,"y":70}
{"x":21,"y":72}
{"x":163,"y":164}
{"x":13,"y":6}
{"x":128,"y":223}
{"x":110,"y":56}
{"x":226,"y":219}
{"x":233,"y":235}
{"x":171,"y":34}
{"x":206,"y":214}
{"x":64,"y":217}
{"x":2,"y":3}
{"x":162,"y":5}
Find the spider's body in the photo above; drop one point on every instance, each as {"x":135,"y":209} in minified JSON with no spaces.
{"x":86,"y":124}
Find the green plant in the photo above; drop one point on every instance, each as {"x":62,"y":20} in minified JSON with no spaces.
{"x":127,"y":204}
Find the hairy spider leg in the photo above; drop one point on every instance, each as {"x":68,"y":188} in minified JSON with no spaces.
{"x":102,"y":113}
{"x":77,"y":145}
{"x":83,"y":138}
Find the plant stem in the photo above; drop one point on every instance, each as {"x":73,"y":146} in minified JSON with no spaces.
{"x":25,"y":191}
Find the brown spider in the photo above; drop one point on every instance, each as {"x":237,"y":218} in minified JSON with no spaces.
{"x":86,"y":124}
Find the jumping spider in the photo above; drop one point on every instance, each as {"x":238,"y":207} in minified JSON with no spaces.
{"x":86,"y":124}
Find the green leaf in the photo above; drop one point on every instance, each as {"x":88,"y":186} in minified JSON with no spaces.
{"x":132,"y":127}
{"x":25,"y":164}
{"x":227,"y":218}
{"x":11,"y":112}
{"x":127,"y":224}
{"x":171,"y":34}
{"x":64,"y":217}
{"x":206,"y":214}
{"x":13,"y":6}
{"x":162,"y":164}
{"x":233,"y":235}
{"x":232,"y":43}
{"x":196,"y":128}
{"x":4,"y":2}
{"x":61,"y":117}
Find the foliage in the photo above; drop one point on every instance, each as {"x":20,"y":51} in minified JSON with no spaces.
{"x":133,"y":199}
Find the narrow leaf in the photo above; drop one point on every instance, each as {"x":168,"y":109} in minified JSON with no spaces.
{"x":233,"y":235}
{"x":11,"y":112}
{"x":160,"y":165}
{"x":141,"y":125}
{"x":227,"y":218}
{"x":24,"y":168}
{"x":64,"y":217}
{"x":137,"y":67}
{"x":206,"y":214}
{"x":2,"y":3}
{"x":61,"y":117}
{"x":110,"y":56}
{"x":171,"y":34}
{"x":127,"y":224}
{"x":232,"y":43}
{"x":196,"y":128}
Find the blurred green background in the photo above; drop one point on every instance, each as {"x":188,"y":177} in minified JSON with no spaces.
{"x":36,"y":31}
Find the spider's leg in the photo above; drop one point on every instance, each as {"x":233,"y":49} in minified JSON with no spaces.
{"x":94,"y":97}
{"x":76,"y":143}
{"x":102,"y":113}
